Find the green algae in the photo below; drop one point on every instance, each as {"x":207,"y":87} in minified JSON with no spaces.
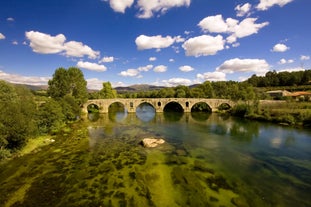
{"x":112,"y":169}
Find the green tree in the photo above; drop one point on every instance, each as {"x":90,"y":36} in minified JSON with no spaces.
{"x":59,"y":85}
{"x":17,"y":116}
{"x":68,"y":82}
{"x":107,"y":91}
{"x":50,"y":116}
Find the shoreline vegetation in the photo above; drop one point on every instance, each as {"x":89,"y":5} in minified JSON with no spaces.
{"x":29,"y":117}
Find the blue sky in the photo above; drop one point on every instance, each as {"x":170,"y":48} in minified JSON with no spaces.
{"x":159,"y":42}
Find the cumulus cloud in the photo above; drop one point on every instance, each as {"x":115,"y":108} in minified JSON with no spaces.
{"x":130,"y":73}
{"x":47,"y":44}
{"x":236,"y":29}
{"x":19,"y":79}
{"x":91,"y":66}
{"x":245,"y":28}
{"x":107,"y":59}
{"x":203,"y":45}
{"x":160,"y":69}
{"x":171,"y":60}
{"x":94,"y":83}
{"x":147,"y":8}
{"x":258,"y":66}
{"x":145,"y":68}
{"x":304,"y":57}
{"x":144,"y":42}
{"x":280,"y":48}
{"x":214,"y":24}
{"x":186,"y":68}
{"x":152,"y":59}
{"x":10,"y":19}
{"x":176,"y":82}
{"x":78,"y":49}
{"x":2,"y":37}
{"x":266,"y":4}
{"x":212,"y":76}
{"x":284,"y":61}
{"x":291,"y":69}
{"x":136,"y":72}
{"x":120,"y":5}
{"x":243,"y":10}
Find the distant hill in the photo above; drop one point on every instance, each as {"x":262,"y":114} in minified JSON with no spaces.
{"x":137,"y":88}
{"x":34,"y":87}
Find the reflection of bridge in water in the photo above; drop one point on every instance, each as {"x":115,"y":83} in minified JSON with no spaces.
{"x":157,"y":103}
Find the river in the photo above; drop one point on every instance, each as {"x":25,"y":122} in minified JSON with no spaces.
{"x":207,"y":160}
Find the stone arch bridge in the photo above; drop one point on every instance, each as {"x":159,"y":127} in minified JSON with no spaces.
{"x":130,"y":104}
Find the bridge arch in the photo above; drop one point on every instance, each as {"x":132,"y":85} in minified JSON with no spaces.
{"x":201,"y":106}
{"x":92,"y":108}
{"x":173,"y":106}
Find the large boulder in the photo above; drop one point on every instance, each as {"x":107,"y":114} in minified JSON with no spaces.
{"x":152,"y":142}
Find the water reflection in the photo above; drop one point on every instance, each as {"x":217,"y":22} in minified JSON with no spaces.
{"x":145,"y":112}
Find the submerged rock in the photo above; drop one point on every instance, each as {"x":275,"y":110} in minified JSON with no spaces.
{"x":152,"y":142}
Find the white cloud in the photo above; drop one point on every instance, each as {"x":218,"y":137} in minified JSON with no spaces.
{"x":259,"y":66}
{"x":214,"y":24}
{"x":147,"y":8}
{"x":91,"y":66}
{"x":47,"y":44}
{"x":176,"y":82}
{"x":2,"y":37}
{"x":186,"y":68}
{"x":304,"y":57}
{"x":284,"y":61}
{"x":203,"y":45}
{"x":212,"y":76}
{"x":120,"y":5}
{"x":10,"y":19}
{"x":171,"y":60}
{"x":266,"y":4}
{"x":243,"y":10}
{"x":236,"y":29}
{"x":19,"y":79}
{"x":160,"y":69}
{"x":78,"y":49}
{"x":145,"y":68}
{"x":245,"y":28}
{"x":107,"y":59}
{"x":14,"y":42}
{"x":144,"y":42}
{"x":136,"y":72}
{"x":94,"y":83}
{"x":280,"y":48}
{"x":130,"y":73}
{"x":152,"y":59}
{"x":179,"y":39}
{"x":291,"y":69}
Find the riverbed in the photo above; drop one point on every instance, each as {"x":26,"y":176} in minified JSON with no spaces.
{"x":206,"y":160}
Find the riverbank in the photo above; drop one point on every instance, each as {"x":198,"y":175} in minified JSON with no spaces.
{"x":290,"y":113}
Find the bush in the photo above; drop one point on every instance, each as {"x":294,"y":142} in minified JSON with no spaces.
{"x":4,"y":153}
{"x":240,"y":110}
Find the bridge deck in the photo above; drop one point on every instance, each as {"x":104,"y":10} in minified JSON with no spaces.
{"x":157,"y":103}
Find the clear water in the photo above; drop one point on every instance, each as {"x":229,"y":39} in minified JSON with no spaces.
{"x":207,"y":160}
